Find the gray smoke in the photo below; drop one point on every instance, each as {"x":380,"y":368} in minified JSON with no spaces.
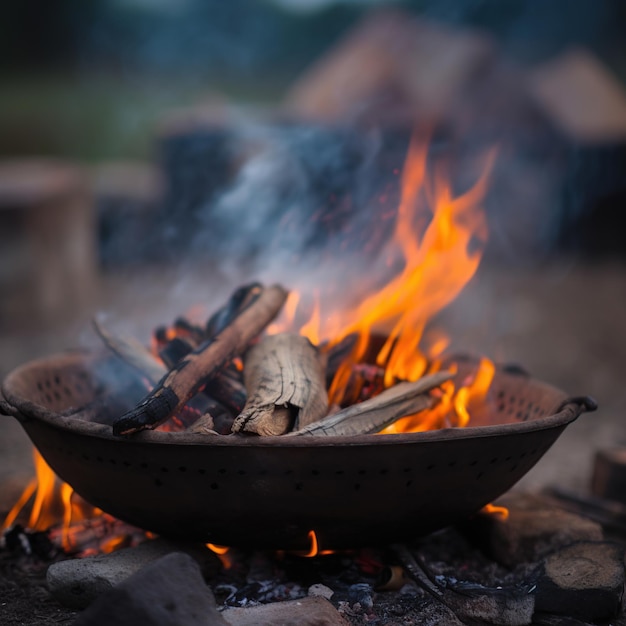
{"x":299,"y":205}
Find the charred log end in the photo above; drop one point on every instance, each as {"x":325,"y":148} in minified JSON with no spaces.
{"x":153,"y":411}
{"x":175,"y":351}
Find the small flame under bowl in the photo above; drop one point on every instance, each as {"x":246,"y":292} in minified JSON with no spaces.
{"x":270,"y":492}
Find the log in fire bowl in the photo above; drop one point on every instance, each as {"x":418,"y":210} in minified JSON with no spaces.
{"x":271,"y":491}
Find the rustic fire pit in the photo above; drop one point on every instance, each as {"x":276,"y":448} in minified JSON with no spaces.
{"x":271,"y":491}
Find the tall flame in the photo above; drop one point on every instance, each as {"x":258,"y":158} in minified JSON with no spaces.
{"x":437,"y":243}
{"x":437,"y":265}
{"x":44,"y":510}
{"x":77,"y":526}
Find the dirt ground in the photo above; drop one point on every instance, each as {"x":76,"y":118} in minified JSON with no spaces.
{"x":564,"y":323}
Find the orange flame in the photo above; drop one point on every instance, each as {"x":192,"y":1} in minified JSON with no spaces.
{"x":42,"y":514}
{"x":217,"y":549}
{"x":66,"y":498}
{"x":56,"y":507}
{"x":311,"y":329}
{"x":437,"y":242}
{"x":27,"y":494}
{"x":288,"y":314}
{"x":51,"y":501}
{"x":441,"y":242}
{"x":223,"y":553}
{"x":475,"y":392}
{"x":314,"y":550}
{"x":498,"y":511}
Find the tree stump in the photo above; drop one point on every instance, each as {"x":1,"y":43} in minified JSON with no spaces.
{"x":50,"y":226}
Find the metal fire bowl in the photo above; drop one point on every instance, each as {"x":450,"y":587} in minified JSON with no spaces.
{"x":270,"y":492}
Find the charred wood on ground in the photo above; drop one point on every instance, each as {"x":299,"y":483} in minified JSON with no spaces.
{"x":610,"y":514}
{"x":472,"y":602}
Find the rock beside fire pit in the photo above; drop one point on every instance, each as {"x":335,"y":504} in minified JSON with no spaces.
{"x":311,"y":611}
{"x":167,"y":592}
{"x":584,"y":581}
{"x":76,"y":583}
{"x":535,"y":527}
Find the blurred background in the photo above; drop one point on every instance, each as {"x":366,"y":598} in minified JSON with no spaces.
{"x":153,"y":153}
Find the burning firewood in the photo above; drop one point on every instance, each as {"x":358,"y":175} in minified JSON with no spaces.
{"x":184,"y":380}
{"x":337,"y":354}
{"x":205,"y":426}
{"x":184,"y":328}
{"x":285,"y":379}
{"x":224,"y":395}
{"x":176,"y":350}
{"x":372,"y":415}
{"x":132,"y":352}
{"x":366,"y":381}
{"x":242,"y":298}
{"x":227,"y":387}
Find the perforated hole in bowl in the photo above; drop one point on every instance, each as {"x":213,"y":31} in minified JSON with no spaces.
{"x":511,"y":400}
{"x":63,"y":389}
{"x":519,"y":408}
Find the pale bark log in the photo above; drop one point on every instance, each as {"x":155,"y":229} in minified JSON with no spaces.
{"x":371,"y":416}
{"x":204,"y":426}
{"x":284,"y":375}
